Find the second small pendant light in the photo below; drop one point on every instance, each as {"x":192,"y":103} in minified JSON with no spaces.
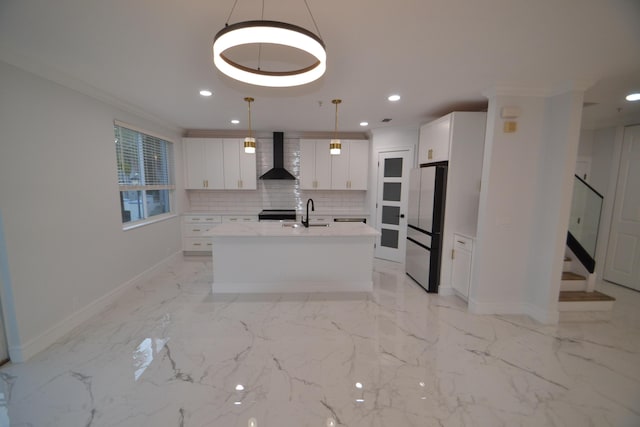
{"x":335,"y":146}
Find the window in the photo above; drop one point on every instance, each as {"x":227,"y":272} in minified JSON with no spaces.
{"x":145,"y":174}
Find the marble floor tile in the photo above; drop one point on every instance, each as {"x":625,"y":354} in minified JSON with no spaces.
{"x":169,"y":353}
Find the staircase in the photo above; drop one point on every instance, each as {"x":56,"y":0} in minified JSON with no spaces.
{"x":577,"y":289}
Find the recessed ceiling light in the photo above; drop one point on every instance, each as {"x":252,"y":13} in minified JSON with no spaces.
{"x":394,"y":98}
{"x":205,"y":92}
{"x":364,"y":123}
{"x":633,"y":97}
{"x":239,"y":387}
{"x":235,"y":121}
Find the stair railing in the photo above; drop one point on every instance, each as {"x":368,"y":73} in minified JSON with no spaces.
{"x":586,"y":208}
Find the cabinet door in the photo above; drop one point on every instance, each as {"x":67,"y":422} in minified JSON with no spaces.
{"x":461,"y":272}
{"x":231,"y":165}
{"x":340,"y":167}
{"x":323,"y":165}
{"x":213,"y":159}
{"x":434,"y":140}
{"x":461,"y":264}
{"x":239,"y":167}
{"x":349,"y":169}
{"x":194,"y":164}
{"x":315,"y":165}
{"x":307,"y":164}
{"x":358,"y":165}
{"x":248,"y":172}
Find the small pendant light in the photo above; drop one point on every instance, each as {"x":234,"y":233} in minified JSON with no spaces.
{"x":250,"y":141}
{"x":335,"y":146}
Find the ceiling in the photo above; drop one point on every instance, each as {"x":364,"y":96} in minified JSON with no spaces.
{"x":154,"y":56}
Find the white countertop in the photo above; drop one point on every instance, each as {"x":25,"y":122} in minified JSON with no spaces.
{"x":276,"y":229}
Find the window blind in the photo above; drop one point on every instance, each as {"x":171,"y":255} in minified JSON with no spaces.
{"x":145,"y":174}
{"x":144,"y":161}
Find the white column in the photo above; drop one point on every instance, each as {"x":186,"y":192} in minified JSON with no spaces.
{"x":525,"y":202}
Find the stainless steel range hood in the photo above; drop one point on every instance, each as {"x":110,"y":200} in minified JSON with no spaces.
{"x":278,"y":171}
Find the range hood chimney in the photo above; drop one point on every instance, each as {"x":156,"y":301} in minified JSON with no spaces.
{"x":278,"y":171}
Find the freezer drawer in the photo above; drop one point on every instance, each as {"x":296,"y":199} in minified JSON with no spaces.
{"x":419,"y":237}
{"x":417,"y":263}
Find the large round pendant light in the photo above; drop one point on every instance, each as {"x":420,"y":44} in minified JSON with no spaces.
{"x":269,"y":32}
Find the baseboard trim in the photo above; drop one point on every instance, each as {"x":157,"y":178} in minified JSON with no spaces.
{"x":518,"y":308}
{"x":22,"y":353}
{"x":446,"y":291}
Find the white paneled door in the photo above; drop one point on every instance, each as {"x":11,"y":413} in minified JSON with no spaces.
{"x":392,"y":202}
{"x":622,"y":265}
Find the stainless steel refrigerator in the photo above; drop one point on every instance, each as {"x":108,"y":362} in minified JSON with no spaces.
{"x":427,"y":189}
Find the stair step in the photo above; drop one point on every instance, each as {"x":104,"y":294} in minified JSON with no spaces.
{"x":570,"y":296}
{"x":584,"y":301}
{"x":569,"y":275}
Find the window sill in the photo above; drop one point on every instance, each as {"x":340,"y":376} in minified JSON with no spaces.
{"x":143,"y":222}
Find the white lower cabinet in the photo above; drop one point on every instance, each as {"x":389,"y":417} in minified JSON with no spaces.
{"x":461,"y":264}
{"x":194,"y":228}
{"x":320,"y":219}
{"x":239,"y":218}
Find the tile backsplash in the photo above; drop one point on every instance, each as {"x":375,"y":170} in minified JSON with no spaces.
{"x":276,"y":194}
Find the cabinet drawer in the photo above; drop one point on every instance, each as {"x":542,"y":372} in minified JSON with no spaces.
{"x":240,"y":218}
{"x":197,"y":219}
{"x":201,"y":244}
{"x":320,"y":219}
{"x":462,"y":243}
{"x":195,"y":229}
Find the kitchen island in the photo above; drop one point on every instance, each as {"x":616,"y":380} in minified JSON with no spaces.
{"x":268,"y":257}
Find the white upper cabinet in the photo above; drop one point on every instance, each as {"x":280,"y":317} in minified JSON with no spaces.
{"x":315,"y":165}
{"x":349,"y":169}
{"x":319,"y":170}
{"x":435,"y":140}
{"x":239,"y":167}
{"x":203,"y":159}
{"x":217,"y":164}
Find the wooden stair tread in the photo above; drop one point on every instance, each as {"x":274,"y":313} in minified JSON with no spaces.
{"x":568,"y":275}
{"x":581,"y":296}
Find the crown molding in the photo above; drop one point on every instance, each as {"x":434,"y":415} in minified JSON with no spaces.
{"x":542,"y":91}
{"x":47,"y":72}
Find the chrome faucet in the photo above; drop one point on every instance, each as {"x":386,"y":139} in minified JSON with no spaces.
{"x":306,"y":223}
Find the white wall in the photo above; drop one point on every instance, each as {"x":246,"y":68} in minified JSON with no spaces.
{"x":59,"y":202}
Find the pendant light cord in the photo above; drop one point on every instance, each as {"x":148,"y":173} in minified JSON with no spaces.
{"x":226,"y":23}
{"x":260,"y":45}
{"x":313,"y":19}
{"x":335,"y":133}
{"x":249,"y":102}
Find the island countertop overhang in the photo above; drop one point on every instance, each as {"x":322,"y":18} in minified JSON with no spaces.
{"x":271,"y":229}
